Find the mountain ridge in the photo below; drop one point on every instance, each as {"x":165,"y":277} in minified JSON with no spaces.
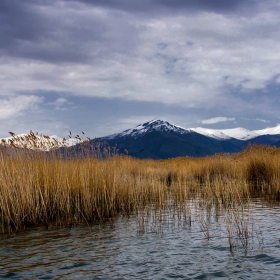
{"x":239,"y":133}
{"x":159,"y":139}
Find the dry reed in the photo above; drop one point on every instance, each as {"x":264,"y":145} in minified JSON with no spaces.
{"x":41,"y":184}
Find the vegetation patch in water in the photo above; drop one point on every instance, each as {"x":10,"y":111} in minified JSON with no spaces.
{"x":44,"y":184}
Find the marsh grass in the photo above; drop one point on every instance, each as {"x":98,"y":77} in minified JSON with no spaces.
{"x":43,"y":184}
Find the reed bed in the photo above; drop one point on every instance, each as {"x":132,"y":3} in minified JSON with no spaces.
{"x":42,"y":184}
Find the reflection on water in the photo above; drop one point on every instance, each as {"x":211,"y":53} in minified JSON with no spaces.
{"x":122,"y":252}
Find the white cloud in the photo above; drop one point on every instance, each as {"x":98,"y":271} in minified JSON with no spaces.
{"x":14,"y":106}
{"x":256,"y":119}
{"x":59,"y":103}
{"x":217,"y":120}
{"x":158,"y":63}
{"x":262,"y":120}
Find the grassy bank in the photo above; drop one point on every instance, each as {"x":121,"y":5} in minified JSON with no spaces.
{"x":56,"y":190}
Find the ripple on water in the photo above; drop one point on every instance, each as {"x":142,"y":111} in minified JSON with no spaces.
{"x":119,"y":252}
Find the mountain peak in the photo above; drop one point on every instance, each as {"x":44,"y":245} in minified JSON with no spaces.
{"x":239,"y":133}
{"x":147,"y":127}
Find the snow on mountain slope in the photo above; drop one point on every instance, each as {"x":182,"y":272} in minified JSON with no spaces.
{"x":269,"y":130}
{"x":237,"y":133}
{"x":154,"y":125}
{"x":44,"y":143}
{"x":240,"y":133}
{"x":224,"y":134}
{"x":217,"y":134}
{"x":159,"y":125}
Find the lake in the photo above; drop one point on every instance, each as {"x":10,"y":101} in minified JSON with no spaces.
{"x":167,"y":249}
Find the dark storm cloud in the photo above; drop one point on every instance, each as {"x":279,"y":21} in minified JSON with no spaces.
{"x":158,"y":6}
{"x":52,"y":32}
{"x":19,"y":22}
{"x":55,"y":32}
{"x":129,"y":59}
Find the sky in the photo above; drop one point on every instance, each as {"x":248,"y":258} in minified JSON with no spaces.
{"x":102,"y":66}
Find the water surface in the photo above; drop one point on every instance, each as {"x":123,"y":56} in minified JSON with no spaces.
{"x":123,"y":251}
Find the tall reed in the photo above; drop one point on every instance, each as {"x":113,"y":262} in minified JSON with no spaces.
{"x":42,"y":184}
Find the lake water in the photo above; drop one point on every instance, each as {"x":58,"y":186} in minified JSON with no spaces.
{"x":122,"y":251}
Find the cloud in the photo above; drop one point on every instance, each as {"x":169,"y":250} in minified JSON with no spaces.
{"x":262,"y":120}
{"x":64,"y":32}
{"x":59,"y":103}
{"x":190,"y":60}
{"x":212,"y":57}
{"x":14,"y":106}
{"x":256,"y":119}
{"x":162,"y":6}
{"x":217,"y":120}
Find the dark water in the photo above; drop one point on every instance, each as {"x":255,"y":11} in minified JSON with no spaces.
{"x":124,"y":252}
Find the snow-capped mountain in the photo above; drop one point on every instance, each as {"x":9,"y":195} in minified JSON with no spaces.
{"x":223,"y":134}
{"x":269,"y":130}
{"x":159,"y":139}
{"x":240,"y":133}
{"x":145,"y":128}
{"x":219,"y":134}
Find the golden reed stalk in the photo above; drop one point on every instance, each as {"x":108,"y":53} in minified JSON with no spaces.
{"x":43,"y":185}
